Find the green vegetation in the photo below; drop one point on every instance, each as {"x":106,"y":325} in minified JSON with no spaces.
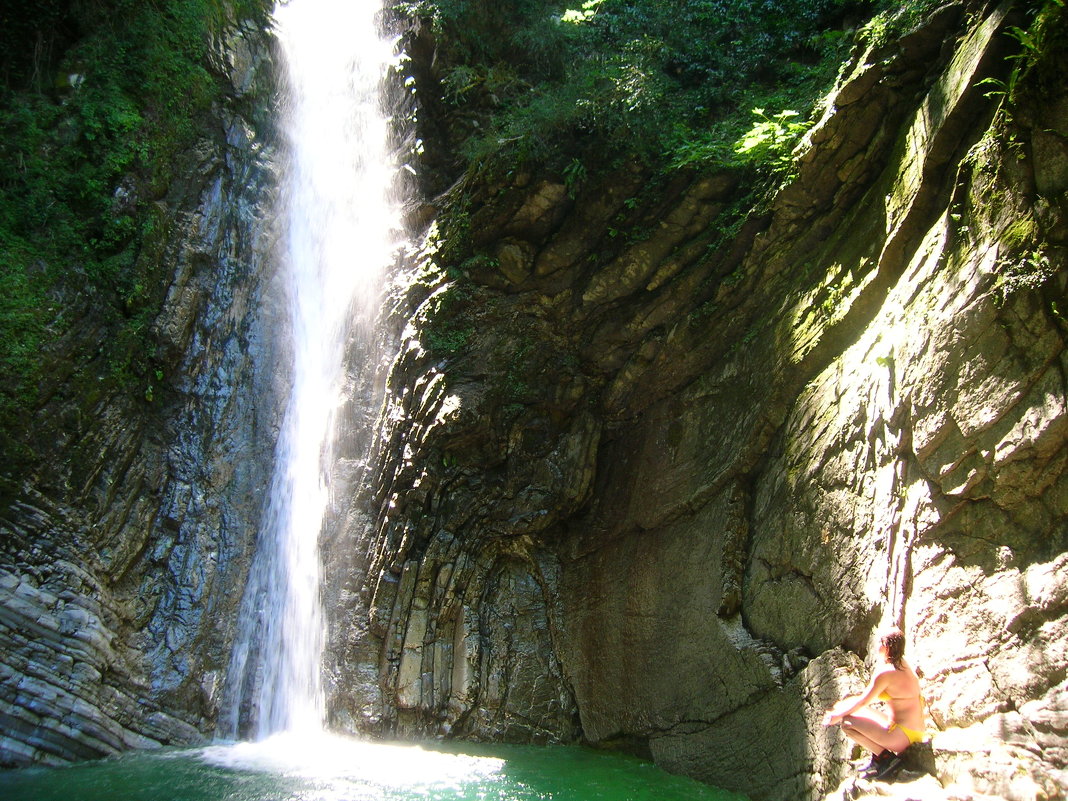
{"x":672,"y":82}
{"x":1028,"y":271}
{"x":1042,"y":46}
{"x":447,"y":331}
{"x":771,"y":139}
{"x":101,"y":102}
{"x":895,"y":20}
{"x":1035,"y":76}
{"x":1039,"y":57}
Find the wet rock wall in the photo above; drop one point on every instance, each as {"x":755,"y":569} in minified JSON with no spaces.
{"x":121,"y":552}
{"x":658,"y":491}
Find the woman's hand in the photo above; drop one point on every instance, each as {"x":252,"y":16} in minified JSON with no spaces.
{"x":834,"y":715}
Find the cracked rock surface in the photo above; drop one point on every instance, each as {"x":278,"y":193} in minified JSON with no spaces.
{"x":649,"y":477}
{"x":658,"y":494}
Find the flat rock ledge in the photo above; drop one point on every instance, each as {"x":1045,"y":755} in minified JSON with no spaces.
{"x":941,"y":770}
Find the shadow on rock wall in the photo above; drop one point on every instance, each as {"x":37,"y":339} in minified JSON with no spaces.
{"x":119,"y":557}
{"x":701,"y":474}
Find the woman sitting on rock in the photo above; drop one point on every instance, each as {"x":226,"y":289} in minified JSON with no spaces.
{"x":895,"y":683}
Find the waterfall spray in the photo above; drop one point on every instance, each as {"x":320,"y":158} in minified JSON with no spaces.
{"x":338,"y":223}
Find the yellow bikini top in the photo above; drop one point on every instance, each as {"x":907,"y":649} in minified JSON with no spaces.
{"x":885,"y":696}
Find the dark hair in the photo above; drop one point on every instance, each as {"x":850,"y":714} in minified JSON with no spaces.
{"x":894,"y":642}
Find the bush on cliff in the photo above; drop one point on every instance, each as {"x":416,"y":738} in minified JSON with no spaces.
{"x":670,"y":81}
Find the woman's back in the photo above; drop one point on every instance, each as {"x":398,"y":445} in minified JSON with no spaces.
{"x":901,"y":692}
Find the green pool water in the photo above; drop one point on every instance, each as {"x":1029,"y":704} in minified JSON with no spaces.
{"x":338,"y":769}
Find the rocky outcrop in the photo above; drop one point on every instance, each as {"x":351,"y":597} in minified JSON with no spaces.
{"x":650,"y":474}
{"x":120,"y":554}
{"x":652,"y":478}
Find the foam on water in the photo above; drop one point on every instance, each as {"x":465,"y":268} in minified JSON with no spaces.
{"x":327,"y":757}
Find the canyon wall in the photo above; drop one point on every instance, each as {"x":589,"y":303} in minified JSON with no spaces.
{"x":650,"y":474}
{"x":652,"y":478}
{"x":121,"y":552}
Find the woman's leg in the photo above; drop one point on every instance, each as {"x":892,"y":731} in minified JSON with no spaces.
{"x":872,"y":731}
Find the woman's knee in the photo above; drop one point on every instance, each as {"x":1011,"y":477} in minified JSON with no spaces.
{"x":849,"y":723}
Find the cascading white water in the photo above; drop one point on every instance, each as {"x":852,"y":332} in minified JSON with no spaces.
{"x":338,"y":224}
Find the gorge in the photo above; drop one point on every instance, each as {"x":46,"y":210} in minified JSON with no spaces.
{"x":659,"y":449}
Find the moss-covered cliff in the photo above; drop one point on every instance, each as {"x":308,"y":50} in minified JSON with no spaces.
{"x":135,"y":158}
{"x":669,"y":438}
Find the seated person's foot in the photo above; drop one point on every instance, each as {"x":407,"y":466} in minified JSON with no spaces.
{"x":877,"y":762}
{"x":888,"y":768}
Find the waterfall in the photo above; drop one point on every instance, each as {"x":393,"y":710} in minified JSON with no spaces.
{"x":338,"y":223}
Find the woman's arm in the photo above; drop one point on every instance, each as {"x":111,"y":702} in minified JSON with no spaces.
{"x":847,"y":706}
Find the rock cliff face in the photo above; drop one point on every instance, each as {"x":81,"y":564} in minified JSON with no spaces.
{"x":652,"y":480}
{"x":648,"y":477}
{"x":119,"y":558}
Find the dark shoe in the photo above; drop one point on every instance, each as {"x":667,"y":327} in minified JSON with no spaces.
{"x":888,"y":768}
{"x":877,"y":761}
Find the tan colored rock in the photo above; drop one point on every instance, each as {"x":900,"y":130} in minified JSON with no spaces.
{"x":722,"y":473}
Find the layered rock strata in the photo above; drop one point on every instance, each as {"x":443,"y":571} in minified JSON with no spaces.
{"x":650,"y":475}
{"x":120,"y":556}
{"x":653,"y":479}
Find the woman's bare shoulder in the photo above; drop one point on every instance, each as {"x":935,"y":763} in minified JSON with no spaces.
{"x":885,"y":670}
